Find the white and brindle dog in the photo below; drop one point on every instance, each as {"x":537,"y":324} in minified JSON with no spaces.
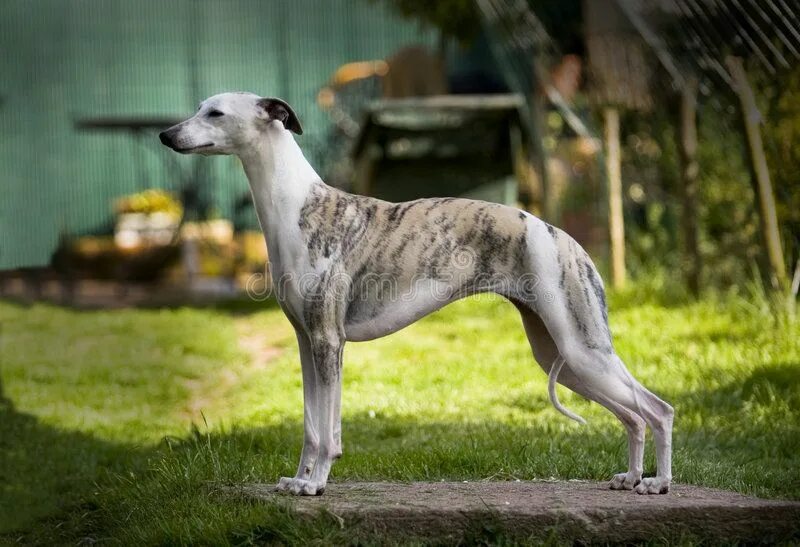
{"x":327,"y":249}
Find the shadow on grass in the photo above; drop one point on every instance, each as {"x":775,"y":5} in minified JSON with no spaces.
{"x":767,"y":386}
{"x":182,"y":491}
{"x":778,"y":381}
{"x":64,"y":486}
{"x":743,"y":435}
{"x":409,"y":449}
{"x":48,"y":475}
{"x":49,"y":478}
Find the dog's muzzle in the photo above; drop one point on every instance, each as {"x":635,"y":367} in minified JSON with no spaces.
{"x":166,"y":138}
{"x":170,"y":138}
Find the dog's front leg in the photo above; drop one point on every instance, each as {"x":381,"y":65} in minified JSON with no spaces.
{"x":327,"y":352}
{"x":326,"y":355}
{"x":337,"y":419}
{"x":308,"y":457}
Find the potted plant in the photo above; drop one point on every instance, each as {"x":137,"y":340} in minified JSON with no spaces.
{"x":151,"y":217}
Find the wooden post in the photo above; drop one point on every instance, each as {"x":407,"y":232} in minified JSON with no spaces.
{"x":687,"y":151}
{"x":539,"y":155}
{"x":769,"y":219}
{"x":616,"y":223}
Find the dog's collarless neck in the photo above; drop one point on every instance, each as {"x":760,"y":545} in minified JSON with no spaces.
{"x":277,"y":166}
{"x":280,"y":180}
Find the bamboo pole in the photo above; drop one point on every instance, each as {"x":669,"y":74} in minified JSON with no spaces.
{"x":616,"y":223}
{"x":687,"y":147}
{"x":769,"y":218}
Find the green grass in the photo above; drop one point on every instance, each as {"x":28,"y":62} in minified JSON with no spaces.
{"x":120,"y":425}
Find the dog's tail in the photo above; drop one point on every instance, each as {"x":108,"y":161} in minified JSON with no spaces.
{"x":552,"y":377}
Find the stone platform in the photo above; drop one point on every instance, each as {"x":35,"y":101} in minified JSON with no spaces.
{"x":561,"y":511}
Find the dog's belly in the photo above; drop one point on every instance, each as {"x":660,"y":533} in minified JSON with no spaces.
{"x":372,"y":317}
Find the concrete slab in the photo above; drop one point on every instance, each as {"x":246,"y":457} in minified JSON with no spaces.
{"x":562,"y":511}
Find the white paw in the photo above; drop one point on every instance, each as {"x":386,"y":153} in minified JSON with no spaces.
{"x":653,"y":485}
{"x":283,"y":484}
{"x":300,"y":487}
{"x":624,"y":481}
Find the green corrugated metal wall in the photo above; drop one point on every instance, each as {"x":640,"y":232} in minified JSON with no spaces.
{"x":63,"y":60}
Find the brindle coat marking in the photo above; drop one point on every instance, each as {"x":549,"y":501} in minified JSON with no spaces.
{"x":356,"y":268}
{"x":412,"y":241}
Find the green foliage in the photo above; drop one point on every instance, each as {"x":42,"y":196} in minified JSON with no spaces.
{"x":651,"y":197}
{"x":781,"y":109}
{"x":730,"y":233}
{"x":98,"y":438}
{"x":731,"y":242}
{"x":730,"y":236}
{"x":460,"y":19}
{"x":731,"y":239}
{"x":454,"y":18}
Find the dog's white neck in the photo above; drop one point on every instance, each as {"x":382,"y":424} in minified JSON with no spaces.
{"x":280,"y":179}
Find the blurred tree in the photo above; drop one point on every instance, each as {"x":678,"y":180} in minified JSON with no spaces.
{"x":728,"y":233}
{"x":460,"y":19}
{"x":780,"y":107}
{"x":752,"y":121}
{"x":730,"y":239}
{"x":686,"y":140}
{"x":454,"y":18}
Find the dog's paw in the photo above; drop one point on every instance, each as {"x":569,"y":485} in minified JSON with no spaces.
{"x":300,"y":487}
{"x":653,"y":485}
{"x":624,"y":481}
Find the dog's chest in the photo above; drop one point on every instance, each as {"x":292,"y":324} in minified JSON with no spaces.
{"x":333,"y":225}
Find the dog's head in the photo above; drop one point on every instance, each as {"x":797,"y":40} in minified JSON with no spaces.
{"x":229,"y":122}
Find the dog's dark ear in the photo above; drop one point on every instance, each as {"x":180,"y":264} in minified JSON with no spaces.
{"x":277,"y":109}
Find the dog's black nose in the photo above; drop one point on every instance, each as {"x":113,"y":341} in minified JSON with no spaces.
{"x":165,"y":139}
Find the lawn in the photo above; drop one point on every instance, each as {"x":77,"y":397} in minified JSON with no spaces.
{"x":119,"y":425}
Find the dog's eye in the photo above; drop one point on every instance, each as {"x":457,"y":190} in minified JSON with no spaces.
{"x":215,"y":114}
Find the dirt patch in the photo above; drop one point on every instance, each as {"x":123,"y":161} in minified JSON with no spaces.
{"x":259,"y":354}
{"x":256,"y":345}
{"x":562,"y":511}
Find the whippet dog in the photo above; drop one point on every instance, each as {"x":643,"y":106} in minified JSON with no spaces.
{"x":350,"y":267}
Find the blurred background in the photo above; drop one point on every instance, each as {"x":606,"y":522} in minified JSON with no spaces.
{"x":142,"y":360}
{"x":622,"y":121}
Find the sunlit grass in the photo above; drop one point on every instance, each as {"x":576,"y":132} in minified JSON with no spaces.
{"x":98,"y":437}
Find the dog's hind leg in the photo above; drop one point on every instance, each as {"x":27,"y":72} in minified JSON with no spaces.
{"x":604,"y":378}
{"x":546,"y":353}
{"x":571,"y":303}
{"x":659,"y":415}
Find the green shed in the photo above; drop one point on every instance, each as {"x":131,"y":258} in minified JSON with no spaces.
{"x":65,"y":61}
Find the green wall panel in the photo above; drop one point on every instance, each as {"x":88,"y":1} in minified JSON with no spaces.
{"x":64,"y":60}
